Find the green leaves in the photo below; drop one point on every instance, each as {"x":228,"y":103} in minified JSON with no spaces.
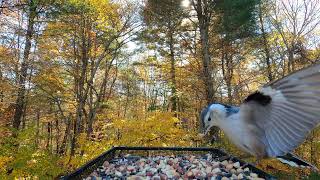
{"x":21,"y":157}
{"x":238,"y":18}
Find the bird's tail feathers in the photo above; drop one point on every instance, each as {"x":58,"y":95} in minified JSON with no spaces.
{"x":294,"y":161}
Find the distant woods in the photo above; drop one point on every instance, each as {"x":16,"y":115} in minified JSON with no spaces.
{"x":74,"y":73}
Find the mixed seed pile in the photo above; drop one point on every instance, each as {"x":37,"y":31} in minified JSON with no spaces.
{"x":171,"y":167}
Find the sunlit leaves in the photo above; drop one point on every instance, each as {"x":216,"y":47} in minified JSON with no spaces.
{"x":160,"y":129}
{"x":103,"y":12}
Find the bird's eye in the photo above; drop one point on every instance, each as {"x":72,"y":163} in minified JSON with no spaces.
{"x":209,"y":119}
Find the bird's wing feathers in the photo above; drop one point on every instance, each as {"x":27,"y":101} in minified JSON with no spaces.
{"x":286,"y":110}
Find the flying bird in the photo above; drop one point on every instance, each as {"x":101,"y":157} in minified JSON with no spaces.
{"x":274,"y":120}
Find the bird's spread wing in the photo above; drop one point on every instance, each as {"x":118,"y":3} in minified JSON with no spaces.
{"x":286,"y":110}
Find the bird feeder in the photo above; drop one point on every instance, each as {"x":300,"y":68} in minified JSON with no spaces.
{"x":116,"y":154}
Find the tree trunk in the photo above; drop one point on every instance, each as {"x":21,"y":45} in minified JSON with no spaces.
{"x":203,"y":9}
{"x":73,"y":140}
{"x":227,"y":68}
{"x":80,"y":88}
{"x":20,"y":101}
{"x":291,"y":64}
{"x":229,"y":90}
{"x":49,"y":135}
{"x":265,"y":45}
{"x":227,"y":76}
{"x":63,"y":146}
{"x":57,"y":135}
{"x":37,"y":139}
{"x":174,"y":98}
{"x":78,"y":126}
{"x":1,"y":91}
{"x":101,"y":95}
{"x":204,"y":18}
{"x":207,"y":71}
{"x":90,"y":101}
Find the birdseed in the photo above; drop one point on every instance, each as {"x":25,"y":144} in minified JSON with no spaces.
{"x":171,"y":167}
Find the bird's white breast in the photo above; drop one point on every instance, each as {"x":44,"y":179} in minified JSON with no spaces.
{"x":240,"y":133}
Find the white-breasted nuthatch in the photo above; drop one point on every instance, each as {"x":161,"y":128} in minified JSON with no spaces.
{"x":274,"y":120}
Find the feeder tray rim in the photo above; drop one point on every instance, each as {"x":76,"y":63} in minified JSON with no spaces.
{"x":114,"y":149}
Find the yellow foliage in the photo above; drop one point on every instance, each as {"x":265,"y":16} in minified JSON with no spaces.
{"x":103,"y":10}
{"x":3,"y":161}
{"x":160,"y":129}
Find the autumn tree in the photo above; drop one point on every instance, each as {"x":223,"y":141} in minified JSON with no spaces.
{"x":205,"y":11}
{"x":78,"y":77}
{"x":237,"y":22}
{"x":294,"y":21}
{"x":262,"y":11}
{"x":32,"y":11}
{"x":93,"y":33}
{"x":164,"y":23}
